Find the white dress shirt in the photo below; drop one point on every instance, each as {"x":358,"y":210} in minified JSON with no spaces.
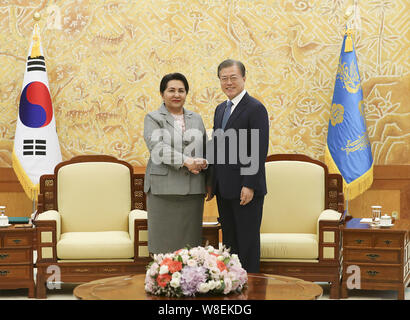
{"x":237,"y":99}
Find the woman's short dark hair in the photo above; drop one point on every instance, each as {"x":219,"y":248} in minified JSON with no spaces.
{"x":173,"y":76}
{"x":229,"y":63}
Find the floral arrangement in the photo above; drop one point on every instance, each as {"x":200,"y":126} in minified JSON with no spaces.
{"x":199,"y":270}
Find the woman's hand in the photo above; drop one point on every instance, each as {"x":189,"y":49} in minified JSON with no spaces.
{"x":195,"y":165}
{"x":190,"y":164}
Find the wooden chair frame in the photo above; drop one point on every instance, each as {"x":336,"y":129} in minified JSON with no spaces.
{"x":83,"y":271}
{"x":325,"y":270}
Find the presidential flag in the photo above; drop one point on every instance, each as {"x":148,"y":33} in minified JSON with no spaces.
{"x":348,"y":149}
{"x":36,"y":148}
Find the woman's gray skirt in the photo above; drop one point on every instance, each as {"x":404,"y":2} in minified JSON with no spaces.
{"x":174,"y":221}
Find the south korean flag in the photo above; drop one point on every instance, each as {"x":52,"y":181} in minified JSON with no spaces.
{"x":36,"y":148}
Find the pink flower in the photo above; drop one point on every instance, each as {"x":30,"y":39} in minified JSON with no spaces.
{"x":221,"y":265}
{"x":173,"y":266}
{"x":163,"y":280}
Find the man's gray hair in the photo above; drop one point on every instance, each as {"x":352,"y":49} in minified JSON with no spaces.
{"x":229,"y":63}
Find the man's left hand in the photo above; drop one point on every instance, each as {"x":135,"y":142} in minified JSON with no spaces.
{"x":246,"y":196}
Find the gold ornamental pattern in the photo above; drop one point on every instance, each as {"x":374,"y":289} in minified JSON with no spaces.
{"x":336,"y":114}
{"x":105,"y":60}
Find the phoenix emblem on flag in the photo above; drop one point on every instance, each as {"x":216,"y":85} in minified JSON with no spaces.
{"x":349,"y":76}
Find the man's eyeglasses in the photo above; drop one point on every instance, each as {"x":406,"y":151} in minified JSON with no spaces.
{"x":232,"y":78}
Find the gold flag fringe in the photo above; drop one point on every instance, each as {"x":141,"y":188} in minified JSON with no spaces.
{"x":354,"y":188}
{"x":30,"y":189}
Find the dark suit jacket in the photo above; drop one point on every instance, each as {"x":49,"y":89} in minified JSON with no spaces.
{"x":248,"y":114}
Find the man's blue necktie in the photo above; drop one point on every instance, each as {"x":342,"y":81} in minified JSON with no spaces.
{"x":227,"y":113}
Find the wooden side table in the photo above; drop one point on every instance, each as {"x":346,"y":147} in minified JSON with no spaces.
{"x":382,"y":254}
{"x":16,"y":259}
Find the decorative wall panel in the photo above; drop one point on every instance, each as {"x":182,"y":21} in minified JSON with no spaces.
{"x":105,"y":60}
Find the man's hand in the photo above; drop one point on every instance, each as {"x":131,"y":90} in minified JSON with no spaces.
{"x":195,"y":165}
{"x":246,"y":196}
{"x":201,"y":163}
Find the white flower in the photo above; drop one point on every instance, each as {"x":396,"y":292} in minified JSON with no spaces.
{"x":203,"y":287}
{"x":185,"y":258}
{"x":211,"y":249}
{"x":228,"y":285}
{"x":163,"y":269}
{"x":176,"y":275}
{"x":191,"y":263}
{"x":175,"y":282}
{"x":153,"y":270}
{"x":169,"y":255}
{"x":219,"y":284}
{"x":212,"y":284}
{"x":220,"y":258}
{"x":185,"y":251}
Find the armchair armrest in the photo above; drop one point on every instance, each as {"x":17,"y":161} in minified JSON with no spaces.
{"x":329,"y":235}
{"x":48,"y":229}
{"x":138,"y":226}
{"x":50,"y":215}
{"x":135,"y":215}
{"x":330,"y":215}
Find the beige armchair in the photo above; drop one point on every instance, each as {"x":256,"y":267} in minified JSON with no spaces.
{"x":91,"y":222}
{"x":302,"y":212}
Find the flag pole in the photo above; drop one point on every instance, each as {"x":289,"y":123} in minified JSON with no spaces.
{"x":348,"y":16}
{"x":37,"y":18}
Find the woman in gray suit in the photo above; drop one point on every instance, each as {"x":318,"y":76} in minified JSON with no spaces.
{"x":174,"y":178}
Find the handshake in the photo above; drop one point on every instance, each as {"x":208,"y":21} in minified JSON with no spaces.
{"x":195,"y":165}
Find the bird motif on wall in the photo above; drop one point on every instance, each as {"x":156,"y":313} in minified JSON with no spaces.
{"x":304,"y":55}
{"x":239,"y":31}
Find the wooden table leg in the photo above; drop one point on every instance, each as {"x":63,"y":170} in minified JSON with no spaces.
{"x":32,"y":291}
{"x":40,"y":285}
{"x":343,"y":291}
{"x":401,"y":293}
{"x":335,"y":290}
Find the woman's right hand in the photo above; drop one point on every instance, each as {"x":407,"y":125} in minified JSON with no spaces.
{"x":195,"y":165}
{"x":190,"y":164}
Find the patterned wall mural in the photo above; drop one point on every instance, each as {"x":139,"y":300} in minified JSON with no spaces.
{"x":105,"y":60}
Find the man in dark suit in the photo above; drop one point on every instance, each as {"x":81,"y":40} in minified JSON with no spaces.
{"x":240,"y":145}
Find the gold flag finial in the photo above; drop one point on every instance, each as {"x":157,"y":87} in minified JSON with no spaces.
{"x":37,"y":16}
{"x":35,"y":49}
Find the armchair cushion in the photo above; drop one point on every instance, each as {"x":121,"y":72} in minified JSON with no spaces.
{"x":289,"y":246}
{"x":295,"y":199}
{"x":94,"y":196}
{"x":95,"y":245}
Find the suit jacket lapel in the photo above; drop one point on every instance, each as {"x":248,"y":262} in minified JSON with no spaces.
{"x":220,"y":115}
{"x":188,"y":119}
{"x":168,"y":117}
{"x":237,"y":111}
